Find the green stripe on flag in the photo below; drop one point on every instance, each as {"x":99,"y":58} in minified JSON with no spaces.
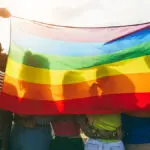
{"x":68,"y":63}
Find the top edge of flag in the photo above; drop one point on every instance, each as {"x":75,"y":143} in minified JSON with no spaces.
{"x":75,"y":34}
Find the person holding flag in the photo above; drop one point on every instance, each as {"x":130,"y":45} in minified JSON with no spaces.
{"x":5,"y":116}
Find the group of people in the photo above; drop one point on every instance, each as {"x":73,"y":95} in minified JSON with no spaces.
{"x":128,"y":131}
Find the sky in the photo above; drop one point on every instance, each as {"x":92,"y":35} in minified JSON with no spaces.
{"x":85,"y":13}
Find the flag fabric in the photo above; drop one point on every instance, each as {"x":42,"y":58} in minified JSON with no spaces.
{"x":64,"y":70}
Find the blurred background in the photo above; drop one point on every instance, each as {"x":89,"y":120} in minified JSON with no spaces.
{"x":85,"y":13}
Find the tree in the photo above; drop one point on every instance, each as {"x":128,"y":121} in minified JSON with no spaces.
{"x":3,"y":59}
{"x":1,"y":49}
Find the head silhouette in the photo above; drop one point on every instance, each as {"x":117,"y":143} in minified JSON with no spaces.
{"x":37,"y":64}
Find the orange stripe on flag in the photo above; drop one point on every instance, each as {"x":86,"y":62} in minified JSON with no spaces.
{"x":129,"y":83}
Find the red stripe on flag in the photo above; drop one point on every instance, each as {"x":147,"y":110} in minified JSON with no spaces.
{"x":115,"y":103}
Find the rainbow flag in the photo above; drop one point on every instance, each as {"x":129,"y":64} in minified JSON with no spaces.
{"x":53,"y":69}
